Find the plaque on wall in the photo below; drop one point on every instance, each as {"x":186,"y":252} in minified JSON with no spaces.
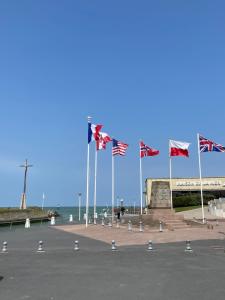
{"x":160,"y":195}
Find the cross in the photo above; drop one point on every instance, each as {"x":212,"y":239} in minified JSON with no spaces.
{"x":23,"y":198}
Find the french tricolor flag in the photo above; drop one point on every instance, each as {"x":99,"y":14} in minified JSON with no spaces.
{"x":93,"y":132}
{"x":177,"y":148}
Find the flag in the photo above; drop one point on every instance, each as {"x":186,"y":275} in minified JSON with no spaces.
{"x":93,"y":132}
{"x":147,"y":151}
{"x":177,"y":148}
{"x":103,"y":139}
{"x":118,"y":148}
{"x":209,"y":146}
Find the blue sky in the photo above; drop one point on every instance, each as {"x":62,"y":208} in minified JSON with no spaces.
{"x":145,"y":69}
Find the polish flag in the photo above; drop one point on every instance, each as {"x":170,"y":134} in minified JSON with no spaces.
{"x":178,"y":148}
{"x":103,"y":139}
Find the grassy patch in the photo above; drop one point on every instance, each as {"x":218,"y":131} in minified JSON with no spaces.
{"x":178,"y":209}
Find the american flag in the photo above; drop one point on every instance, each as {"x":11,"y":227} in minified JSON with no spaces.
{"x":209,"y":146}
{"x":118,"y":148}
{"x":147,"y":151}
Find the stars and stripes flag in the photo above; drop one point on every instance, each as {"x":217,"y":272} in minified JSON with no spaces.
{"x":147,"y":151}
{"x":206,"y":145}
{"x":118,"y":147}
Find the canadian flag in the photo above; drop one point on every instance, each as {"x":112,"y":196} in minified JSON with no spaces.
{"x":177,"y":148}
{"x":103,"y":139}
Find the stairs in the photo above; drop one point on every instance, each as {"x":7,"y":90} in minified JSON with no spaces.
{"x":169,"y":218}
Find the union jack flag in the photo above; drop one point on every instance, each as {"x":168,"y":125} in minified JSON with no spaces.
{"x":209,"y":146}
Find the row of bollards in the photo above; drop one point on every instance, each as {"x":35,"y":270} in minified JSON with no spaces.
{"x":76,"y":246}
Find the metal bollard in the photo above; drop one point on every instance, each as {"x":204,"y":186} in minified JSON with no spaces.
{"x":76,"y":247}
{"x":71,"y":218}
{"x":27,"y":223}
{"x":150,"y":247}
{"x":40,"y":247}
{"x":95,"y":223}
{"x":160,"y":227}
{"x":188,"y":247}
{"x":114,"y":248}
{"x":141,"y":227}
{"x":4,"y":247}
{"x":129,"y":226}
{"x":52,"y":220}
{"x":103,"y":222}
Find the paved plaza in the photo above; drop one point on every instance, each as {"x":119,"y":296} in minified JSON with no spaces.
{"x":95,"y":272}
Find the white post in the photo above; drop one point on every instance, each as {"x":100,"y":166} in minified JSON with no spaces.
{"x":113,"y":188}
{"x":95,"y":184}
{"x":79,"y":204}
{"x":88,"y":171}
{"x":200,"y":176}
{"x":171,"y":189}
{"x":134,"y":208}
{"x":43,"y":199}
{"x":141,"y":187}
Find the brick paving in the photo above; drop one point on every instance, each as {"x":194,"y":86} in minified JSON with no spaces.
{"x":124,"y":237}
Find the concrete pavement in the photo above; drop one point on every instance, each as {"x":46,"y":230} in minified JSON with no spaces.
{"x":95,"y":272}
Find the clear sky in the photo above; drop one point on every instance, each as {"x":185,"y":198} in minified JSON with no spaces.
{"x":146,"y":69}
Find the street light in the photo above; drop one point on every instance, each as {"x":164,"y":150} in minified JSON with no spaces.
{"x":79,"y":201}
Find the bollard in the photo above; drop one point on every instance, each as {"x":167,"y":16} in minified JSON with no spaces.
{"x":27,"y":223}
{"x":129,"y":226}
{"x":4,"y":247}
{"x":76,"y":247}
{"x":160,"y":227}
{"x":141,"y":227}
{"x":103,"y":222}
{"x":95,"y":223}
{"x":188,"y":247}
{"x":71,"y":218}
{"x":89,"y":221}
{"x":110,"y":224}
{"x":52,"y":220}
{"x":114,"y":248}
{"x":40,"y":247}
{"x":217,"y":223}
{"x":150,"y":247}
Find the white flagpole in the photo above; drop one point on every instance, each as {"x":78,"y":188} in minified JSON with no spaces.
{"x":79,"y":204}
{"x":88,"y":171}
{"x":113,"y":188}
{"x":171,"y":188}
{"x":95,"y":186}
{"x":43,"y":199}
{"x":200,"y":176}
{"x":141,"y":187}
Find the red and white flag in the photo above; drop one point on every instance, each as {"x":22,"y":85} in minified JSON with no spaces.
{"x":147,"y":151}
{"x":103,"y":139}
{"x":177,"y":148}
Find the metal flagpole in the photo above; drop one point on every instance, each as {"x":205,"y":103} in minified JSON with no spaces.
{"x":88,"y":171}
{"x":43,"y":199}
{"x":79,"y":204}
{"x":200,"y":176}
{"x":141,"y":187}
{"x":171,"y":189}
{"x":95,"y":184}
{"x":113,"y":188}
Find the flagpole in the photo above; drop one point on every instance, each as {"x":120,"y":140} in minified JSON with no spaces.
{"x":200,"y":176}
{"x":171,"y":189}
{"x":95,"y":186}
{"x":113,"y":188}
{"x":79,"y":204}
{"x":141,"y":187}
{"x":43,"y":199}
{"x":88,"y":175}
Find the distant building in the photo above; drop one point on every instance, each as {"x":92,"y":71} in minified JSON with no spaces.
{"x":158,"y":189}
